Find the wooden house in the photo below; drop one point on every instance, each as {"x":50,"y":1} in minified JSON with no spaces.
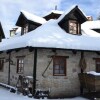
{"x":54,"y":53}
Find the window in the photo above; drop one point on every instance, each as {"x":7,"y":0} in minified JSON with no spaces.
{"x":20,"y":65}
{"x":74,"y":27}
{"x":97,"y":64}
{"x":59,"y":66}
{"x":25,"y":29}
{"x":1,"y":64}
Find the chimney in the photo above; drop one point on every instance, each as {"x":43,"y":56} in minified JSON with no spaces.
{"x":90,"y":18}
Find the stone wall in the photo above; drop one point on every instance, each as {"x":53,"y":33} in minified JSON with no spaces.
{"x":28,"y":66}
{"x":59,"y":86}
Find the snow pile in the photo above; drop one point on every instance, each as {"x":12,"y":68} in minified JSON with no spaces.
{"x":88,"y":26}
{"x":93,"y":73}
{"x":33,"y":17}
{"x":6,"y":95}
{"x":7,"y":86}
{"x":18,"y":31}
{"x":91,"y":24}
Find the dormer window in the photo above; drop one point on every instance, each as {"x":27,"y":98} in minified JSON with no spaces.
{"x":74,"y":27}
{"x":25,"y":29}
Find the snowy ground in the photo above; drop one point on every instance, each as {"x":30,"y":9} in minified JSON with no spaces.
{"x":6,"y":95}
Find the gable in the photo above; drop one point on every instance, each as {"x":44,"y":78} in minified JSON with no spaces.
{"x":52,"y":16}
{"x":21,"y":20}
{"x":76,"y":16}
{"x":1,"y":33}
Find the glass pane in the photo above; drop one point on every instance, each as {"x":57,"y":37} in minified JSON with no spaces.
{"x":19,"y":61}
{"x":61,"y":71}
{"x":98,"y":62}
{"x":56,"y":72}
{"x":56,"y":67}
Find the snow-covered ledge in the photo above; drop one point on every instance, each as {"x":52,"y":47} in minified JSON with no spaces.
{"x":93,"y":73}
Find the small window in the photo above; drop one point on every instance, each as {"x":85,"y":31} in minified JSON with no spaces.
{"x":20,"y":65}
{"x":97,"y":65}
{"x":1,"y":64}
{"x":59,"y":66}
{"x":74,"y":27}
{"x":25,"y":29}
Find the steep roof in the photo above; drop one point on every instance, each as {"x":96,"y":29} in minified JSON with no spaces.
{"x":50,"y":35}
{"x":71,"y":10}
{"x":88,"y":26}
{"x":1,"y":31}
{"x":31,"y":17}
{"x":55,"y":12}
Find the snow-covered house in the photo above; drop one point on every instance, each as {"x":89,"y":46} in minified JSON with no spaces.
{"x":52,"y":52}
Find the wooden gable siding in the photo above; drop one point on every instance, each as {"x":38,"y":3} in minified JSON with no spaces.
{"x":1,"y":33}
{"x":22,"y":21}
{"x":74,"y":14}
{"x":52,"y":16}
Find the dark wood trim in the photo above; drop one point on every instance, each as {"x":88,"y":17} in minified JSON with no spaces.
{"x":20,"y":56}
{"x":1,"y":65}
{"x":74,"y":52}
{"x":9,"y":69}
{"x":96,"y":58}
{"x":17,"y":71}
{"x":59,"y":56}
{"x":31,"y":49}
{"x":34,"y":72}
{"x":65,"y":65}
{"x":82,"y":55}
{"x":54,"y":48}
{"x":2,"y":58}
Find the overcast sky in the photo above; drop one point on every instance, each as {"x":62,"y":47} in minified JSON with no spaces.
{"x":10,"y":9}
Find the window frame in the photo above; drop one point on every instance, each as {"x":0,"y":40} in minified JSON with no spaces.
{"x":77,"y":27}
{"x":2,"y":68}
{"x":96,"y":63}
{"x":25,"y":29}
{"x":64,"y":60}
{"x":20,"y":64}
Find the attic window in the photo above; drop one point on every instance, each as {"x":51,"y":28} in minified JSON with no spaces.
{"x":74,"y":27}
{"x":25,"y":29}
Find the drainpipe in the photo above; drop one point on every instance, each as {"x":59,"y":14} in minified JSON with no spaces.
{"x":82,"y":55}
{"x":34,"y":72}
{"x":81,"y":88}
{"x":9,"y":69}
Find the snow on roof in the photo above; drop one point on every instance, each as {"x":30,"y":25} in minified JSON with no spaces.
{"x":50,"y":35}
{"x":93,"y":73}
{"x":88,"y":26}
{"x":55,"y":12}
{"x":66,"y":12}
{"x":91,"y":24}
{"x":33,"y":17}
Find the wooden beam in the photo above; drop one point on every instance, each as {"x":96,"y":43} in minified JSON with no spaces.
{"x":9,"y":69}
{"x":74,"y":52}
{"x":30,"y":49}
{"x":34,"y":71}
